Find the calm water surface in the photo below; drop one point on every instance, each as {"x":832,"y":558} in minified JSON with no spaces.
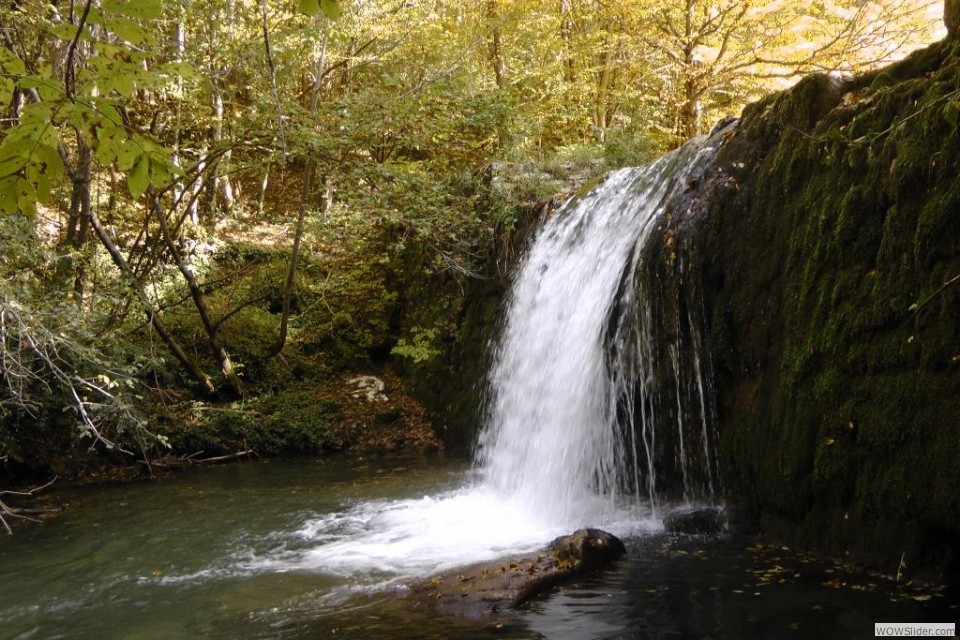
{"x":237,"y":552}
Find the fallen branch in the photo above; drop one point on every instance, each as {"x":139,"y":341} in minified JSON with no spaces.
{"x":233,"y":456}
{"x":185,"y":461}
{"x":6,"y":511}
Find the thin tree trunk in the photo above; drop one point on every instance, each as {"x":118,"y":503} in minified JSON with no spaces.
{"x":219,"y":351}
{"x":181,"y":48}
{"x":566,"y":35}
{"x":290,"y":282}
{"x":601,"y":114}
{"x":78,"y":225}
{"x":688,"y":122}
{"x":221,"y":176}
{"x":205,"y":382}
{"x":83,"y":183}
{"x":495,"y":45}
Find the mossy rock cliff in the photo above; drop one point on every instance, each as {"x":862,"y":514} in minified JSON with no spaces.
{"x":827,"y":247}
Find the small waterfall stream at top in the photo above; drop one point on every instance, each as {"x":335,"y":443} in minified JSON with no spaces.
{"x":599,"y":404}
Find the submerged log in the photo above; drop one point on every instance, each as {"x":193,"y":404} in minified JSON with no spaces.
{"x":488,"y":588}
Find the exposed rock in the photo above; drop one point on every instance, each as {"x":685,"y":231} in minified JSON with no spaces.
{"x":369,"y":387}
{"x":488,"y":588}
{"x":704,"y":520}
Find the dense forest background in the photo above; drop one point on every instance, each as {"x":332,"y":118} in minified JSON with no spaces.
{"x":203,"y":204}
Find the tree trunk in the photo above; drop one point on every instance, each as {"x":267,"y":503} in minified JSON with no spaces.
{"x":495,"y":44}
{"x":688,"y":120}
{"x":219,"y":351}
{"x":221,"y":177}
{"x":601,"y":111}
{"x":690,"y":112}
{"x":149,"y":308}
{"x":951,"y":17}
{"x":78,"y":217}
{"x":290,"y":282}
{"x":566,"y":35}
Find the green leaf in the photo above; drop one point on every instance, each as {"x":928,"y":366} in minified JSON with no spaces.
{"x":160,"y":172}
{"x":139,"y":178}
{"x":94,"y":16}
{"x":36,"y":115}
{"x":123,"y":82}
{"x":182,"y":70}
{"x":310,"y":7}
{"x":49,"y":156}
{"x":331,"y":9}
{"x":127,"y":155}
{"x":26,"y":198}
{"x":111,"y":118}
{"x":39,"y":184}
{"x":146,"y":9}
{"x":15,"y":154}
{"x":51,"y":89}
{"x":142,"y":9}
{"x":107,"y":149}
{"x":6,"y":89}
{"x":64,"y":30}
{"x":11,"y":63}
{"x":8,"y":195}
{"x":30,"y":82}
{"x":128,"y":30}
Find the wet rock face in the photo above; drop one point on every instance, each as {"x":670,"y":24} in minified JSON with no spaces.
{"x":489,"y":588}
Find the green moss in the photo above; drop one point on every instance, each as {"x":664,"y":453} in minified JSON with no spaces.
{"x":846,"y":214}
{"x":293,"y":422}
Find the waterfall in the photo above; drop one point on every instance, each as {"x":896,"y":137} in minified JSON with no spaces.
{"x":599,"y":408}
{"x":578,"y":418}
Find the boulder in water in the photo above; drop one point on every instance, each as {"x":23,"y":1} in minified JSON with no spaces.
{"x":492,"y":587}
{"x":700,"y":520}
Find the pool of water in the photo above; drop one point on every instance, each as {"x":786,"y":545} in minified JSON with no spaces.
{"x":269,"y":550}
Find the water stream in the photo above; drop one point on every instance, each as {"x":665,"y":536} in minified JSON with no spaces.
{"x":214,"y":554}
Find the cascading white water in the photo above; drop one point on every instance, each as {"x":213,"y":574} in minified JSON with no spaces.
{"x":571,"y":413}
{"x":575,"y":428}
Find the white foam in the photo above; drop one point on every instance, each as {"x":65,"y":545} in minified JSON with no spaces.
{"x":411,"y":538}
